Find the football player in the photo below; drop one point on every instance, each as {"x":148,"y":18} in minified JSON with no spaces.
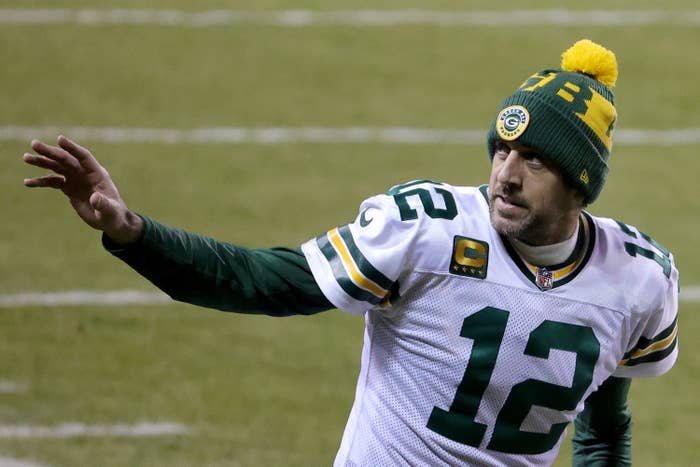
{"x":495,"y":315}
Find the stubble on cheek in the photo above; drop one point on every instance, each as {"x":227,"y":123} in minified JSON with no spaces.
{"x":511,"y":226}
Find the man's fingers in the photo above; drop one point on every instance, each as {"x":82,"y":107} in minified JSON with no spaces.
{"x":84,"y":156}
{"x":42,"y":161}
{"x":69,"y":155}
{"x":46,"y":181}
{"x":57,"y":154}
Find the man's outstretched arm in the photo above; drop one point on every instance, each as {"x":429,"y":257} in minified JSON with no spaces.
{"x":604,"y":429}
{"x":200,"y":270}
{"x":188,"y":267}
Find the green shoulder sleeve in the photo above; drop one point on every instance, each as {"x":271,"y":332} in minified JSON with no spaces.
{"x":200,"y":270}
{"x":603,"y":434}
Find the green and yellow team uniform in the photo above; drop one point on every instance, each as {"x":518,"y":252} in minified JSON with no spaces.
{"x":471,"y":355}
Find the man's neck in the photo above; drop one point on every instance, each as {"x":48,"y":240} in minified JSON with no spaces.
{"x":547,"y":255}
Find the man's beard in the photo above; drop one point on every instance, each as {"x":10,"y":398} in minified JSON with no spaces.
{"x":521,"y":230}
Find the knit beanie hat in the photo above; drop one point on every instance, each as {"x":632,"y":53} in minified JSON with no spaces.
{"x":568,"y":115}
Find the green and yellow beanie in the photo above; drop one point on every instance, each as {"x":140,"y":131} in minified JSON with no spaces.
{"x":567,"y":114}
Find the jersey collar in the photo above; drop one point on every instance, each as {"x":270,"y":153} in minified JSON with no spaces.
{"x":560,"y":274}
{"x":557,"y":275}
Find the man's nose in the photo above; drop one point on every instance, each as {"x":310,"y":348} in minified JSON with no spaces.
{"x":510,"y":171}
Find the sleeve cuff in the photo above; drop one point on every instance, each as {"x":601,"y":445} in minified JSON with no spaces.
{"x":116,"y":248}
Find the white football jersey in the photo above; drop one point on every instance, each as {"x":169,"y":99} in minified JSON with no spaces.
{"x":471,"y":355}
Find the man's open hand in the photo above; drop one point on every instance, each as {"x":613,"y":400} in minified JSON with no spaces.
{"x":87,"y":185}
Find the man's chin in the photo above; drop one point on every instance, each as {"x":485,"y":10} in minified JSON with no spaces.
{"x":506,"y":226}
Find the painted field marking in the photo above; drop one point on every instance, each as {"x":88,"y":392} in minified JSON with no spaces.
{"x":305,"y":18}
{"x":11,"y":462}
{"x":285,"y":135}
{"x":71,"y":430}
{"x":10,"y":387}
{"x":84,"y":297}
{"x":237,"y":135}
{"x":689,"y":294}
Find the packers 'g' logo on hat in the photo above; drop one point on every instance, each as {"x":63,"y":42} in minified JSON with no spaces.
{"x":512,"y":122}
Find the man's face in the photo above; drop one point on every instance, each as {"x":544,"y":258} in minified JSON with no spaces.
{"x":528,"y":197}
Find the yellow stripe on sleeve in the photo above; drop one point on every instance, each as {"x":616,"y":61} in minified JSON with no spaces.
{"x":351,"y":267}
{"x":655,"y":347}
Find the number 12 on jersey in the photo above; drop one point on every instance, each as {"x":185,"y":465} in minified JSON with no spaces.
{"x":487,"y":327}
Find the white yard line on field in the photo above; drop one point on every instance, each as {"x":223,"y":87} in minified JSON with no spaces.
{"x":262,"y":135}
{"x":285,"y":135}
{"x":10,"y":387}
{"x":303,"y":18}
{"x":83,"y":297}
{"x":690,"y":293}
{"x":10,"y":462}
{"x":134,"y":297}
{"x":71,"y":430}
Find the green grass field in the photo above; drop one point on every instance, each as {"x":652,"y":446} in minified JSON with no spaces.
{"x":255,"y":390}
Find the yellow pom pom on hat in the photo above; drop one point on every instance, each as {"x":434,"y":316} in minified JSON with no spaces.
{"x":568,"y":115}
{"x":592,"y":59}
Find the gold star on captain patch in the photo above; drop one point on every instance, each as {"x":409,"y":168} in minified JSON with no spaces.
{"x":469,"y":257}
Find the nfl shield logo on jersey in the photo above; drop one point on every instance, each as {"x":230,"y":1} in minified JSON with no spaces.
{"x":544,"y":279}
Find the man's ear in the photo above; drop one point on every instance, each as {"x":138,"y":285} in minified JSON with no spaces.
{"x":579,"y":198}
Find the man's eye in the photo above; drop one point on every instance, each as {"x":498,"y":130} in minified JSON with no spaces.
{"x":535,"y":161}
{"x":502,"y":147}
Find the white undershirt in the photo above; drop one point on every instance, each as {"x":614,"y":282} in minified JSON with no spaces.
{"x":546,"y":255}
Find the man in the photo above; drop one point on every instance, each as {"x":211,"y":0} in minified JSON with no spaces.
{"x":494,"y":315}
